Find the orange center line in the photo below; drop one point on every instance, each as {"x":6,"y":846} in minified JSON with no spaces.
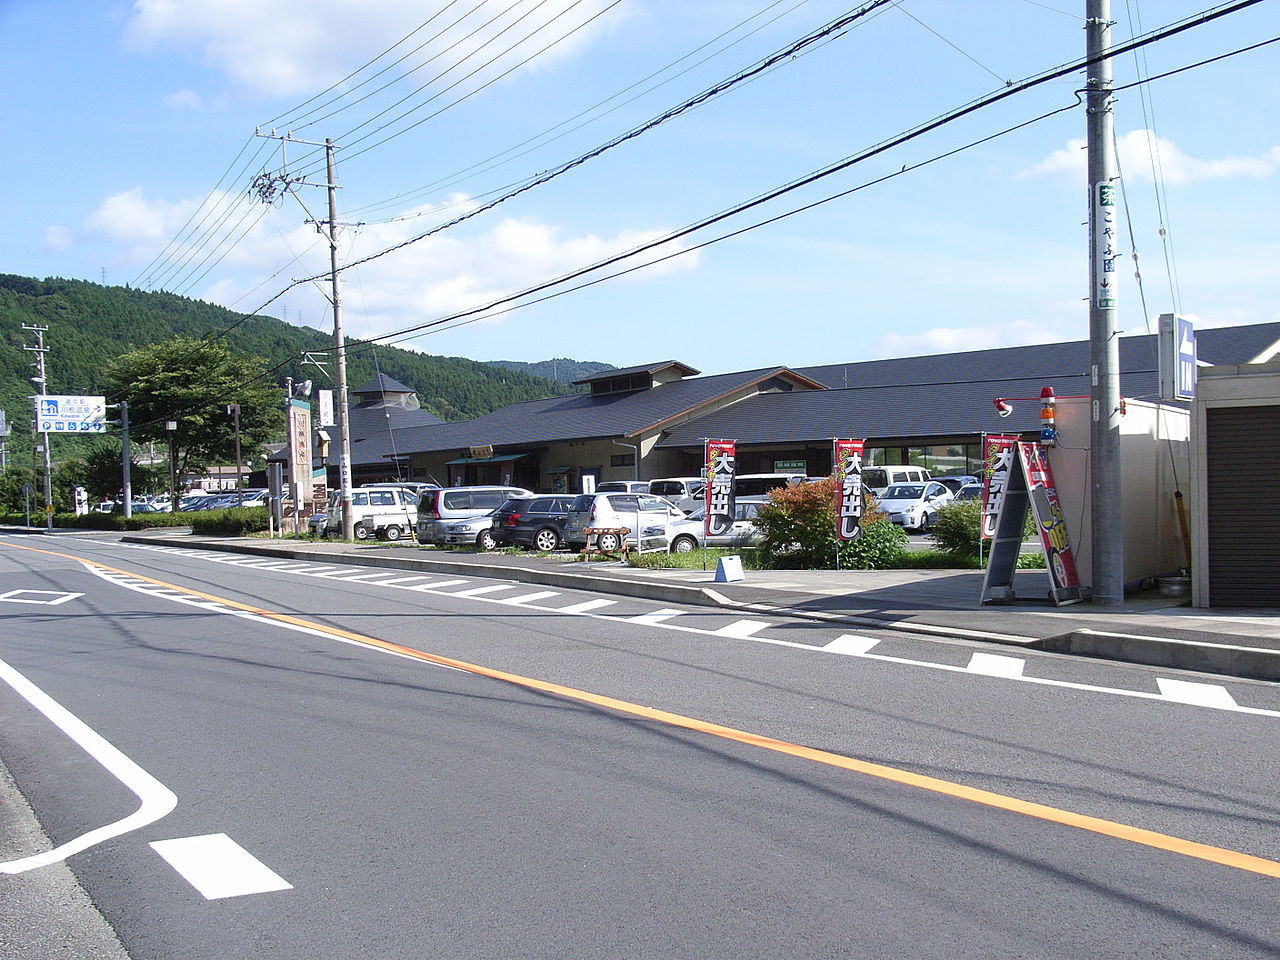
{"x":1039,"y":811}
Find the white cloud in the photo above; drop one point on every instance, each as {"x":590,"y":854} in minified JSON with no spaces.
{"x":185,"y":100}
{"x":981,"y":337}
{"x":284,"y":48}
{"x":57,"y":239}
{"x":1139,"y":149}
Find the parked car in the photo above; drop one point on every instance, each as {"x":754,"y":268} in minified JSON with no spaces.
{"x":654,"y":515}
{"x":459,"y":503}
{"x":970,"y":491}
{"x":688,"y":534}
{"x":387,"y":512}
{"x":623,"y":486}
{"x":465,"y":531}
{"x":879,"y":479}
{"x":915,"y":505}
{"x":759,"y":484}
{"x":955,"y":483}
{"x":536,"y":523}
{"x":687,"y":493}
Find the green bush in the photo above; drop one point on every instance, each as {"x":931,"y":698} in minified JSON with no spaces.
{"x":231,"y":522}
{"x":955,"y":529}
{"x":798,"y":532}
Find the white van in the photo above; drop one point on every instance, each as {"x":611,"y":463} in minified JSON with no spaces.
{"x":880,"y":479}
{"x":381,"y":510}
{"x":759,"y":484}
{"x":687,"y":493}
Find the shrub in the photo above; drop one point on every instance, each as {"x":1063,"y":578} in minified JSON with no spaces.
{"x":955,"y":529}
{"x":231,"y":522}
{"x":798,"y":532}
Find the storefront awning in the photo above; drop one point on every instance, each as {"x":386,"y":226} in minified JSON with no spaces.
{"x":504,"y":458}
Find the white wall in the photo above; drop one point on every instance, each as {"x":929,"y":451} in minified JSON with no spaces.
{"x":1155,"y":461}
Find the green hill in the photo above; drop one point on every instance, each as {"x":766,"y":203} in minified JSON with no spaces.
{"x":561,"y":369}
{"x":90,"y":324}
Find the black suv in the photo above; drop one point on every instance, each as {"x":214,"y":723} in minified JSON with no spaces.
{"x":533,"y":522}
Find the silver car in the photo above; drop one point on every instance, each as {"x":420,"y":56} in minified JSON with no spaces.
{"x":689,"y":534}
{"x":654,"y":516}
{"x":465,"y":531}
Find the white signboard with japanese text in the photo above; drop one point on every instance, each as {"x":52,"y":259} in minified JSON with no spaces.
{"x":63,"y":414}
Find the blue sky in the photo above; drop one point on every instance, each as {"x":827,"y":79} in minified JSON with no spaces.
{"x":131,"y":150}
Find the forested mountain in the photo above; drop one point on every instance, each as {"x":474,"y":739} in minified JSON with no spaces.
{"x":90,"y":324}
{"x":561,"y":370}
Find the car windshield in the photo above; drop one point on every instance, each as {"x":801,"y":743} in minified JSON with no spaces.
{"x":904,"y":491}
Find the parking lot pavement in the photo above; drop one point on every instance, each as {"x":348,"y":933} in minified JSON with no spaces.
{"x":1147,"y":629}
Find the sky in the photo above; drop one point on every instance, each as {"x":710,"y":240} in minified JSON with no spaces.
{"x":138,"y":130}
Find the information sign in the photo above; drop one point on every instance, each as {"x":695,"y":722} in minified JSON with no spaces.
{"x":62,"y":414}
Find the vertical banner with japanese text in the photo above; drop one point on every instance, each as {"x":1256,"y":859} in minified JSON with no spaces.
{"x":1050,"y":522}
{"x":847,"y":457}
{"x":997,"y":460}
{"x":721,"y":467}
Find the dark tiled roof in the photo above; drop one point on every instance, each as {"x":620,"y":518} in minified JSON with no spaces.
{"x":583,"y":416}
{"x":379,"y":385}
{"x":649,"y":368}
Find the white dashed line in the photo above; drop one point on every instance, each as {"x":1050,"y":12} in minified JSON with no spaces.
{"x":481,"y":591}
{"x":658,"y":616}
{"x":219,"y":867}
{"x":742,"y":629}
{"x":995,"y":665}
{"x":531,"y":597}
{"x":851,"y":644}
{"x":1197,"y":694}
{"x":585,"y":606}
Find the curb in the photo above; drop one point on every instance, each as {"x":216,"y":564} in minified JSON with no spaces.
{"x":1251,"y":663}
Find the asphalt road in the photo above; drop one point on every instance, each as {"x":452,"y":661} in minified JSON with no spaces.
{"x":304,"y":761}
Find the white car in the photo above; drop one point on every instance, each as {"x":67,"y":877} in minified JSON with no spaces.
{"x":688,"y":534}
{"x":653,"y":515}
{"x":915,"y":505}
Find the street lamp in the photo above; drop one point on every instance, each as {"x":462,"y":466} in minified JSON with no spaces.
{"x":172,"y":427}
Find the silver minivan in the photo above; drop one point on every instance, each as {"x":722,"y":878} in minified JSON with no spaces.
{"x":438,"y":507}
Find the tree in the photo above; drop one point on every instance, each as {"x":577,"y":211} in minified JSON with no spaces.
{"x":191,"y":382}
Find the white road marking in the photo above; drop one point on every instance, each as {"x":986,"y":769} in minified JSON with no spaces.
{"x":584,"y":606}
{"x":530,"y":597}
{"x":51,"y":597}
{"x":437,"y":585}
{"x":1198,"y":694}
{"x":364,"y":576}
{"x":157,"y":799}
{"x":656,"y":617}
{"x":219,"y":867}
{"x":851,"y":644}
{"x":742,"y":629}
{"x":400,"y":580}
{"x":995,"y":665}
{"x":480,"y":591}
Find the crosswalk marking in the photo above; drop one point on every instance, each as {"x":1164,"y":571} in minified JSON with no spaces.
{"x":530,"y":597}
{"x":851,"y":644}
{"x":995,"y":665}
{"x":742,"y":629}
{"x":399,"y":580}
{"x":219,"y":867}
{"x":1197,"y":694}
{"x":438,"y":584}
{"x":480,"y":591}
{"x":586,"y":605}
{"x":656,"y":617}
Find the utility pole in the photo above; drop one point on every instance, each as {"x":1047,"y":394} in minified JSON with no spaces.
{"x":340,"y":348}
{"x":126,"y":460}
{"x":1107,"y":516}
{"x":267,"y":186}
{"x":41,"y":382}
{"x":234,"y":410}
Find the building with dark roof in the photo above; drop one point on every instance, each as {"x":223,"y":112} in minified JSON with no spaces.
{"x":652,"y":420}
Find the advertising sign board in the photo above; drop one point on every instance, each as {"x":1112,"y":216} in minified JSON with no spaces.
{"x":997,"y":461}
{"x":64,"y":414}
{"x":721,"y":468}
{"x":847,"y":456}
{"x":1177,"y":353}
{"x":1050,"y":522}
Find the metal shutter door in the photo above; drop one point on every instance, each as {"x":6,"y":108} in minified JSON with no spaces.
{"x":1243,"y":458}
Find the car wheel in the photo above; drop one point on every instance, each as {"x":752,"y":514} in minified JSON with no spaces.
{"x":926,"y":522}
{"x":684,"y":545}
{"x":485,"y":540}
{"x":362,"y":532}
{"x":608,"y":542}
{"x":393,"y":532}
{"x":546,"y":540}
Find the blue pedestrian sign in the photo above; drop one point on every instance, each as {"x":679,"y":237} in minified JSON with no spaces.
{"x":63,"y":414}
{"x":1177,"y":357}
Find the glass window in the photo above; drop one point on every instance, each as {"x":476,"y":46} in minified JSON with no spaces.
{"x":488,"y":499}
{"x":457,"y":500}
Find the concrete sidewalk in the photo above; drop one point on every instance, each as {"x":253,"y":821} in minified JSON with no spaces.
{"x":943,"y":603}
